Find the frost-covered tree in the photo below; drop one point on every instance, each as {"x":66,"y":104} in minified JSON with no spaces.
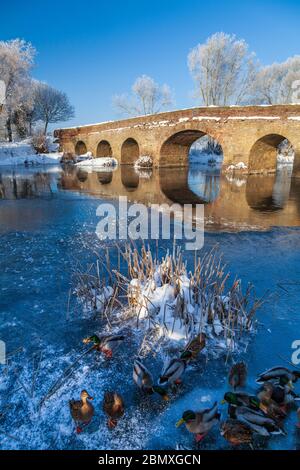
{"x":16,"y":60}
{"x":24,"y":116}
{"x":147,"y":97}
{"x":274,"y":83}
{"x":223,"y":70}
{"x":51,"y":105}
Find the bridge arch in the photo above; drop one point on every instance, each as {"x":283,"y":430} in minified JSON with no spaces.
{"x":104,"y":149}
{"x":175,"y":149}
{"x":80,"y":148}
{"x":130,"y":151}
{"x":264,"y":152}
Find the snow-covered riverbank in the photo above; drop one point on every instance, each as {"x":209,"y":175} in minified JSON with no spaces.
{"x":22,"y":153}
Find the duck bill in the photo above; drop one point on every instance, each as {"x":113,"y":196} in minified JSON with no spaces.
{"x":223,"y":402}
{"x":179,"y":423}
{"x":166,"y":397}
{"x":291,"y":385}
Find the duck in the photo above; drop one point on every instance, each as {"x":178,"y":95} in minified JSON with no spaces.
{"x":195,"y":346}
{"x":113,"y":406}
{"x":281,"y":394}
{"x":200,"y":422}
{"x":257,"y":421}
{"x":238,"y":375}
{"x":241,"y":399}
{"x":105,"y":344}
{"x":82,"y":411}
{"x":174,"y":370}
{"x":236,"y":433}
{"x":276,"y":411}
{"x":144,"y":380}
{"x":283,"y":374}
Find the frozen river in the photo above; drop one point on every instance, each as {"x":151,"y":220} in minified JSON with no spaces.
{"x":45,"y":216}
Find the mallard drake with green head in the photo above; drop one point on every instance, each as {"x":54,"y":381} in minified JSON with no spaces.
{"x":81,"y":410}
{"x":241,"y":399}
{"x":200,"y":422}
{"x":113,"y":406}
{"x":236,"y":433}
{"x":257,"y":421}
{"x":174,"y":370}
{"x":105,"y":344}
{"x":144,"y":380}
{"x":238,"y":375}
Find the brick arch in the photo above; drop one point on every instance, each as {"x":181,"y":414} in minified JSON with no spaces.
{"x":130,"y":151}
{"x":263,"y":153}
{"x":175,"y":149}
{"x":104,"y":149}
{"x":80,"y":147}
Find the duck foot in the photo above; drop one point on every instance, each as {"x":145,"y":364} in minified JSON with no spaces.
{"x":78,"y":429}
{"x":178,"y":382}
{"x":283,"y":408}
{"x":199,"y":437}
{"x":111,"y":423}
{"x":107,"y":353}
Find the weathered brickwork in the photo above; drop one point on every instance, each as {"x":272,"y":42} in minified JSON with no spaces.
{"x":250,"y":134}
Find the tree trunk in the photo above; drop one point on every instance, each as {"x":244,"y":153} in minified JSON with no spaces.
{"x":9,"y":129}
{"x":45,"y":128}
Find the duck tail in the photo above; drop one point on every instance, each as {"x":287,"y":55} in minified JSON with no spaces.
{"x":163,"y":379}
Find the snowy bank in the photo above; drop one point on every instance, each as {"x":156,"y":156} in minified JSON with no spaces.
{"x":22,"y":153}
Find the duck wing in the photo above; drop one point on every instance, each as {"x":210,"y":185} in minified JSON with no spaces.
{"x":141,"y":375}
{"x":264,"y":425}
{"x":210,"y":414}
{"x":112,"y":340}
{"x":274,"y":373}
{"x":173,"y":371}
{"x":75,"y":409}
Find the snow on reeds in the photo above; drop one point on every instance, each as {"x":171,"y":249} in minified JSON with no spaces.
{"x":168,"y":302}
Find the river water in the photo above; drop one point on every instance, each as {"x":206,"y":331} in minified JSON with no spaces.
{"x":47,"y":215}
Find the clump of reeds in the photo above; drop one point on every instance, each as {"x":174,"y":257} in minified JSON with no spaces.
{"x":162,"y":295}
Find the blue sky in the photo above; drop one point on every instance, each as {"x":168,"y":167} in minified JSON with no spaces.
{"x":95,"y":49}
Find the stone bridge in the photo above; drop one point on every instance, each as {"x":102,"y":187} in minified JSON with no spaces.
{"x":246,"y":133}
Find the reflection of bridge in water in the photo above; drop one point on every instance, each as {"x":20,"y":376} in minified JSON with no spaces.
{"x":256,"y":200}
